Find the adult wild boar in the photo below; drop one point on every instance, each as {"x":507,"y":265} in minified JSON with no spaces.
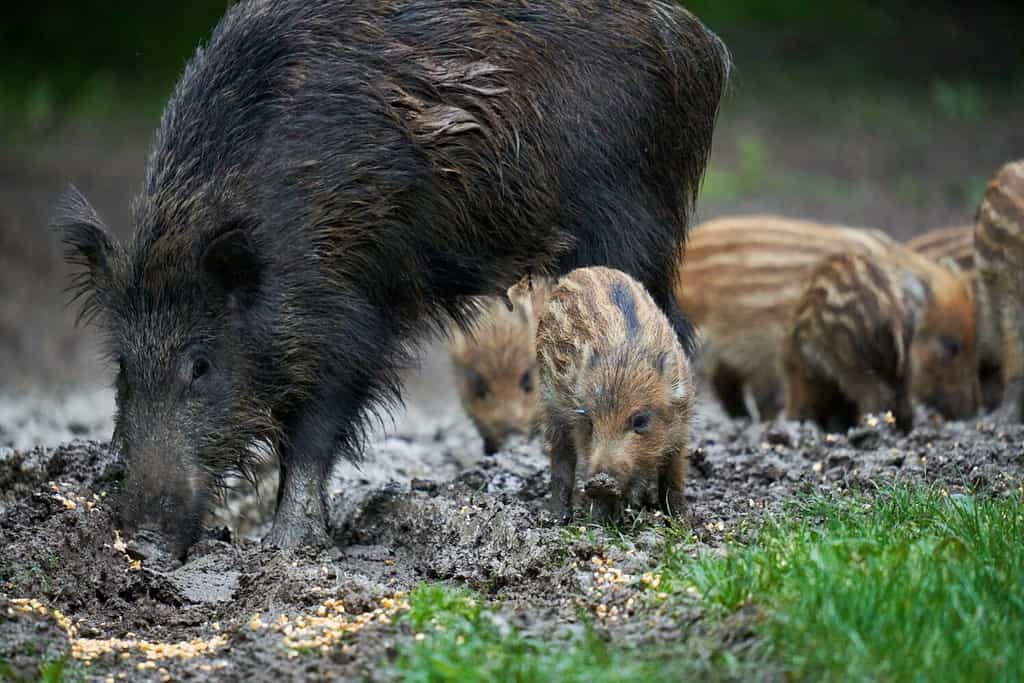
{"x":330,"y":178}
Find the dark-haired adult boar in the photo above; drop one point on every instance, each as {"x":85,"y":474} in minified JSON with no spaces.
{"x":330,"y":178}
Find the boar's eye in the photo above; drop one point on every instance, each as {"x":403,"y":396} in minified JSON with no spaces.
{"x":950,"y":346}
{"x":526,"y":382}
{"x":200,"y":366}
{"x":641,"y":422}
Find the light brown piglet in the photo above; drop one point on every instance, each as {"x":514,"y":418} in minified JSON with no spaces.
{"x":999,"y":259}
{"x":495,"y":365}
{"x":869,"y":333}
{"x":616,"y":395}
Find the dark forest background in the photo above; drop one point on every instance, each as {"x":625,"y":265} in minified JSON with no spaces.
{"x":891,"y":114}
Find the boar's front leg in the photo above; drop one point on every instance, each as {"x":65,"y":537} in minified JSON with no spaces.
{"x":306,"y":456}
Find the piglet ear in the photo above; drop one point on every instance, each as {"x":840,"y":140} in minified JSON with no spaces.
{"x":233,"y":266}
{"x":87,"y":247}
{"x":665,"y":365}
{"x":662,"y":363}
{"x":950,"y":264}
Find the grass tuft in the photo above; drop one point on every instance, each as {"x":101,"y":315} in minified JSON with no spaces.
{"x":456,"y":638}
{"x":909,"y":584}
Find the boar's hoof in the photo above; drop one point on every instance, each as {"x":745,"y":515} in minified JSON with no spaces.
{"x":291,"y":535}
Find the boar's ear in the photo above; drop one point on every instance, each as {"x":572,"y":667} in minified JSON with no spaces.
{"x":233,"y":265}
{"x":87,"y":247}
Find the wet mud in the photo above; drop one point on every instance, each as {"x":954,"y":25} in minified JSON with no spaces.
{"x":426,"y":506}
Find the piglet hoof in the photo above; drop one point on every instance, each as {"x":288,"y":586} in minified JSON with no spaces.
{"x":674,"y":505}
{"x":560,"y":511}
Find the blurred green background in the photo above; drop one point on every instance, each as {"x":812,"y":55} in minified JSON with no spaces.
{"x":891,"y":114}
{"x":91,"y":60}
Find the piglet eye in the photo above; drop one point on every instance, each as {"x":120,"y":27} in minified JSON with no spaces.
{"x":478,"y":385}
{"x":200,"y":366}
{"x":526,"y":382}
{"x":950,"y":346}
{"x":641,"y":422}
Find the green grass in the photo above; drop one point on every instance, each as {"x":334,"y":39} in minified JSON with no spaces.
{"x":462,"y":640}
{"x":910,"y":585}
{"x":54,"y":670}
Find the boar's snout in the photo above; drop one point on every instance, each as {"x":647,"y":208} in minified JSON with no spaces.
{"x":498,"y":434}
{"x":162,"y":509}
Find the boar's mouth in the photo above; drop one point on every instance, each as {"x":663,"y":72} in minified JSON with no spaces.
{"x":609,"y":498}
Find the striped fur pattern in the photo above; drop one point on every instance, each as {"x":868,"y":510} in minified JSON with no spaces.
{"x":956,"y":245}
{"x":847,"y":351}
{"x":868,"y":335}
{"x":495,"y":365}
{"x":740,"y":281}
{"x":999,"y":258}
{"x":616,"y":393}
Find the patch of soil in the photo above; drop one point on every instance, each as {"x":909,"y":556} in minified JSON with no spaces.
{"x":425,"y":507}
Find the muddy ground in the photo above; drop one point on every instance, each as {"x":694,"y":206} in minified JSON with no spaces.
{"x":427,"y":506}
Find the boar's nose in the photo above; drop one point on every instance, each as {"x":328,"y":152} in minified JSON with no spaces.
{"x":602,"y":486}
{"x":149,"y":546}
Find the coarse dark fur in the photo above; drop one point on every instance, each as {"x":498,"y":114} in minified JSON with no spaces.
{"x":328,"y":177}
{"x":616,"y":395}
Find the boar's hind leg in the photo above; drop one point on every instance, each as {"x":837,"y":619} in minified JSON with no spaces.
{"x":306,"y":459}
